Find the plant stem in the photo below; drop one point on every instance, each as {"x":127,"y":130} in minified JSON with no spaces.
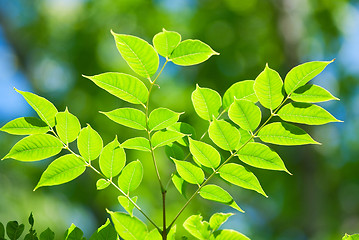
{"x":164,"y":232}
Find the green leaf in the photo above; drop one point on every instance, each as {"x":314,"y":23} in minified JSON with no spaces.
{"x":311,"y":93}
{"x":174,"y":151}
{"x":74,"y":233}
{"x":302,"y":74}
{"x":153,"y":235}
{"x":139,"y":54}
{"x":240,"y":176}
{"x":240,"y":90}
{"x":2,"y":231}
{"x":245,"y":114}
{"x":206,"y":102}
{"x":112,"y":159}
{"x":131,"y":176}
{"x":62,"y":170}
{"x":129,"y":228}
{"x":184,"y":128}
{"x":351,"y":237}
{"x":137,"y":143}
{"x":14,"y":230}
{"x":102,"y":184}
{"x":44,"y":108}
{"x":47,"y":235}
{"x":67,"y":126}
{"x":165,"y":42}
{"x":161,"y":118}
{"x":305,"y":113}
{"x":268,"y":88}
{"x":162,"y":138}
{"x":128,"y":117}
{"x":127,"y":204}
{"x":25,"y":126}
{"x":261,"y":156}
{"x":245,"y":136}
{"x":179,"y":183}
{"x":218,"y":219}
{"x":224,"y":135}
{"x":123,"y":86}
{"x":105,"y":232}
{"x":35,"y":147}
{"x":189,"y":172}
{"x":228,"y":234}
{"x":89,"y":143}
{"x":172,"y":233}
{"x":197,"y":228}
{"x":282,"y":133}
{"x":218,"y":194}
{"x":191,"y":52}
{"x":204,"y":153}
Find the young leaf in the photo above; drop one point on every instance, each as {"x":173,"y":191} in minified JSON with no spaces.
{"x":261,"y":156}
{"x":44,"y":108}
{"x":184,"y":128}
{"x":240,"y":176}
{"x":311,"y":93}
{"x":138,"y":54}
{"x":131,"y":176}
{"x":245,"y":114}
{"x":191,"y":52}
{"x":153,"y":235}
{"x":228,"y":234}
{"x":102,"y":184}
{"x":165,"y":42}
{"x":197,"y":228}
{"x":206,"y":102}
{"x":161,"y":118}
{"x":268,"y":88}
{"x":126,"y":204}
{"x":128,"y":117}
{"x":47,"y":235}
{"x":302,"y":74}
{"x":25,"y":126}
{"x":105,"y":232}
{"x":282,"y":133}
{"x":74,"y":233}
{"x":67,"y":126}
{"x":218,"y":194}
{"x":179,"y":183}
{"x":189,"y":172}
{"x":305,"y":113}
{"x":218,"y":219}
{"x":35,"y":147}
{"x":112,"y":159}
{"x":62,"y":170}
{"x":89,"y":143}
{"x":240,"y":90}
{"x":129,"y":228}
{"x":174,"y":151}
{"x":137,"y":143}
{"x":123,"y":86}
{"x":224,"y":135}
{"x":14,"y":230}
{"x":204,"y":153}
{"x":162,"y":138}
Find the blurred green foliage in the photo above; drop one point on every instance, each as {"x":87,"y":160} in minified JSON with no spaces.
{"x":45,"y":46}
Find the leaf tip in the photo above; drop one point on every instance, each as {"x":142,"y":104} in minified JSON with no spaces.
{"x":112,"y":32}
{"x":288,"y":172}
{"x":108,"y":211}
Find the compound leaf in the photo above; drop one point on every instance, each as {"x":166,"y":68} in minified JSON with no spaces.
{"x":35,"y":147}
{"x":218,"y":219}
{"x":89,"y":143}
{"x":189,"y":172}
{"x":311,"y":93}
{"x":162,"y":138}
{"x":204,"y":153}
{"x":131,"y":176}
{"x":139,"y":54}
{"x":165,"y":42}
{"x":282,"y":133}
{"x":228,"y":234}
{"x":245,"y":114}
{"x":105,"y":232}
{"x":127,"y":204}
{"x":62,"y":170}
{"x":129,"y":117}
{"x":206,"y":102}
{"x":67,"y":126}
{"x":197,"y":228}
{"x":112,"y":159}
{"x":184,"y":128}
{"x":25,"y":126}
{"x":190,"y":52}
{"x":224,"y":135}
{"x":240,"y":90}
{"x":137,"y":143}
{"x":161,"y":118}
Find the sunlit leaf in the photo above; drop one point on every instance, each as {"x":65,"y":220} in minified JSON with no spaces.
{"x":89,"y":143}
{"x":35,"y":147}
{"x":162,"y":138}
{"x":74,"y":233}
{"x":67,"y":126}
{"x":191,"y":52}
{"x":161,"y":118}
{"x":311,"y":93}
{"x":179,"y":183}
{"x":197,"y":228}
{"x":245,"y":114}
{"x":189,"y":172}
{"x":240,"y":176}
{"x":25,"y":126}
{"x":351,"y":237}
{"x":137,"y":143}
{"x":184,"y":128}
{"x":127,"y":204}
{"x":172,"y":233}
{"x":282,"y":133}
{"x":305,"y":113}
{"x":139,"y":54}
{"x":112,"y":159}
{"x":268,"y":88}
{"x":153,"y":235}
{"x":228,"y":234}
{"x":62,"y":170}
{"x":105,"y":232}
{"x":129,"y":117}
{"x":102,"y":184}
{"x":224,"y":135}
{"x":218,"y":219}
{"x":131,"y":176}
{"x":245,"y":136}
{"x":123,"y":86}
{"x":166,"y":41}
{"x":204,"y":153}
{"x":174,"y":151}
{"x":44,"y":108}
{"x":240,"y":90}
{"x":206,"y":102}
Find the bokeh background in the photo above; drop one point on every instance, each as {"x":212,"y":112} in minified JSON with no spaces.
{"x":45,"y":46}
